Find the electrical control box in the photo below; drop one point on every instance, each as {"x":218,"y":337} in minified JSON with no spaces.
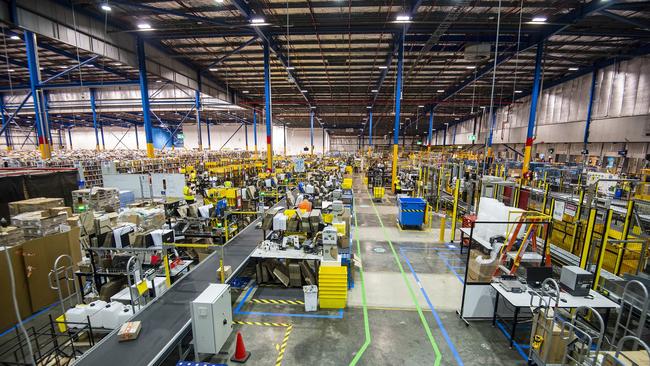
{"x":576,"y":280}
{"x":211,"y":315}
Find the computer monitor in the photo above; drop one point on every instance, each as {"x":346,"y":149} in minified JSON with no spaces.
{"x":536,"y":275}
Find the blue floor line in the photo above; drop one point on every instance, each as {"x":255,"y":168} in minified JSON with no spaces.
{"x":238,"y":311}
{"x":433,"y":311}
{"x":30,"y":317}
{"x":517,"y":346}
{"x":444,"y":259}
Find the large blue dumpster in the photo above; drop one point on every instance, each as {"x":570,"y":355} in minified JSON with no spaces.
{"x":411,"y":211}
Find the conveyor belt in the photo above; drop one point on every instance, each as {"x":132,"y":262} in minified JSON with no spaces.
{"x":167,"y":319}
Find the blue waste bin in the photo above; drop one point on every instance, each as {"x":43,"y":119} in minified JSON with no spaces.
{"x":411,"y":211}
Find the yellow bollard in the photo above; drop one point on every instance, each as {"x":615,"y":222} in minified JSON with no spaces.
{"x":443,"y":221}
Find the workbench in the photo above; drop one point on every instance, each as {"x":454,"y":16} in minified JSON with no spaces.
{"x":529,"y":299}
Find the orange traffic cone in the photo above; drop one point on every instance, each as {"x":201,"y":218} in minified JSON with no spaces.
{"x":240,"y":355}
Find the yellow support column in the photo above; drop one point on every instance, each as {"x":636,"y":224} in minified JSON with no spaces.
{"x":454,"y":213}
{"x":624,"y":236}
{"x":584,"y":257}
{"x":394,"y":171}
{"x":603,"y":248}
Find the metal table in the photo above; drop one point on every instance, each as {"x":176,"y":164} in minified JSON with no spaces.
{"x":166,"y":320}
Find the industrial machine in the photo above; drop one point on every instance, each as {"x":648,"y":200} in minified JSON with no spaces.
{"x":576,"y":280}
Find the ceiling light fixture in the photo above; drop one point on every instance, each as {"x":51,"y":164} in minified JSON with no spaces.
{"x":11,"y":70}
{"x":369,"y":107}
{"x":244,"y":91}
{"x":420,"y":106}
{"x":403,"y":18}
{"x":257,"y":21}
{"x":518,"y":91}
{"x":290,"y":68}
{"x":144,"y":26}
{"x":303,"y":91}
{"x":470,"y":67}
{"x":539,"y":19}
{"x":15,"y":38}
{"x":440,"y":91}
{"x":374,"y":91}
{"x":383,"y":67}
{"x":213,"y":69}
{"x":106,"y":7}
{"x":313,"y":107}
{"x":218,"y":1}
{"x":573,"y":69}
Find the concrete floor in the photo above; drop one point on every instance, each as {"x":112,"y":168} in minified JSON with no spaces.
{"x":405,"y":326}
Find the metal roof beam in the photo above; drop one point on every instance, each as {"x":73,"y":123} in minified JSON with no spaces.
{"x":636,"y":23}
{"x":554,"y":27}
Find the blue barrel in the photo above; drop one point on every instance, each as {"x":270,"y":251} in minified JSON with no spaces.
{"x":411,"y":211}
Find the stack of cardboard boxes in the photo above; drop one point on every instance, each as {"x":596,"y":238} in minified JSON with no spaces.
{"x":32,"y":260}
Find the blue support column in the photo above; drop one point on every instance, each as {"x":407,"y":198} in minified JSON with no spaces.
{"x":255,"y":130}
{"x":370,"y":130}
{"x":430,"y":132}
{"x":144,"y":93}
{"x":444,"y":135}
{"x":592,"y":92}
{"x":267,"y":107}
{"x":60,"y":139}
{"x":101,"y":132}
{"x":46,"y":114}
{"x":534,"y":97}
{"x":246,"y":135}
{"x":197,"y":107}
{"x":5,"y":123}
{"x":70,"y":136}
{"x":137,"y":139}
{"x":93,"y":109}
{"x":398,"y":105}
{"x":37,"y":96}
{"x":207,"y":130}
{"x":311,"y":130}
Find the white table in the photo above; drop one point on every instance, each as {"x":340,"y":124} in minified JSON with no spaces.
{"x":484,"y":243}
{"x":567,"y":301}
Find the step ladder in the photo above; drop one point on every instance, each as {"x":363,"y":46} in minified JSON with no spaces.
{"x":529,"y":237}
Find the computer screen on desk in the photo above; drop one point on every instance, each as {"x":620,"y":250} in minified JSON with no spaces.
{"x":536,"y":275}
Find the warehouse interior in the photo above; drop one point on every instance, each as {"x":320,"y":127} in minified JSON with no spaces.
{"x":361,"y":182}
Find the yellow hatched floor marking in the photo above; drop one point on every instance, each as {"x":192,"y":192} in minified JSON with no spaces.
{"x":283,"y":346}
{"x":264,"y":324}
{"x":277,"y":302}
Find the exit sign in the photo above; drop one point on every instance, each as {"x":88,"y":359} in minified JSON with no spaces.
{"x":472,"y":137}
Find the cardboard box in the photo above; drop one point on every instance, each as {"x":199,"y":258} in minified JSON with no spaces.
{"x":57,"y":210}
{"x":39,"y":257}
{"x":11,"y":235}
{"x":34,"y":204}
{"x":7,"y":315}
{"x":129,"y":331}
{"x":552,"y":350}
{"x":480,"y":272}
{"x":626,"y":358}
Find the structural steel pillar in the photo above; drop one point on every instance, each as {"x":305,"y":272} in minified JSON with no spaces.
{"x":93,"y":110}
{"x":207,"y":130}
{"x":311,"y":130}
{"x":5,"y":122}
{"x":268,"y":108}
{"x":197,"y":108}
{"x":255,"y":130}
{"x":592,"y":92}
{"x":369,"y":131}
{"x":137,"y":139}
{"x":246,"y":135}
{"x":430,"y":133}
{"x":398,"y":102}
{"x":533,"y":108}
{"x":144,"y":93}
{"x":37,"y":96}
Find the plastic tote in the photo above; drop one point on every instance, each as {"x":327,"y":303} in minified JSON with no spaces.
{"x":311,"y":297}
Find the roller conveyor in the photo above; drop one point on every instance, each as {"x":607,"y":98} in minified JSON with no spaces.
{"x":166,"y":320}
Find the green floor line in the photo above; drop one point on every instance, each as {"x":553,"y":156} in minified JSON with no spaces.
{"x":363,"y":296}
{"x":425,"y":324}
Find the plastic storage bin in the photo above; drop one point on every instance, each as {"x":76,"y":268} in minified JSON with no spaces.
{"x":411,"y":211}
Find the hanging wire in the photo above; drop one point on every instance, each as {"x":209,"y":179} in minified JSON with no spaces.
{"x":494,"y":75}
{"x":514,"y":84}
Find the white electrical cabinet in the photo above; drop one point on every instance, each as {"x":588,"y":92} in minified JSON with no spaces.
{"x":211,"y":318}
